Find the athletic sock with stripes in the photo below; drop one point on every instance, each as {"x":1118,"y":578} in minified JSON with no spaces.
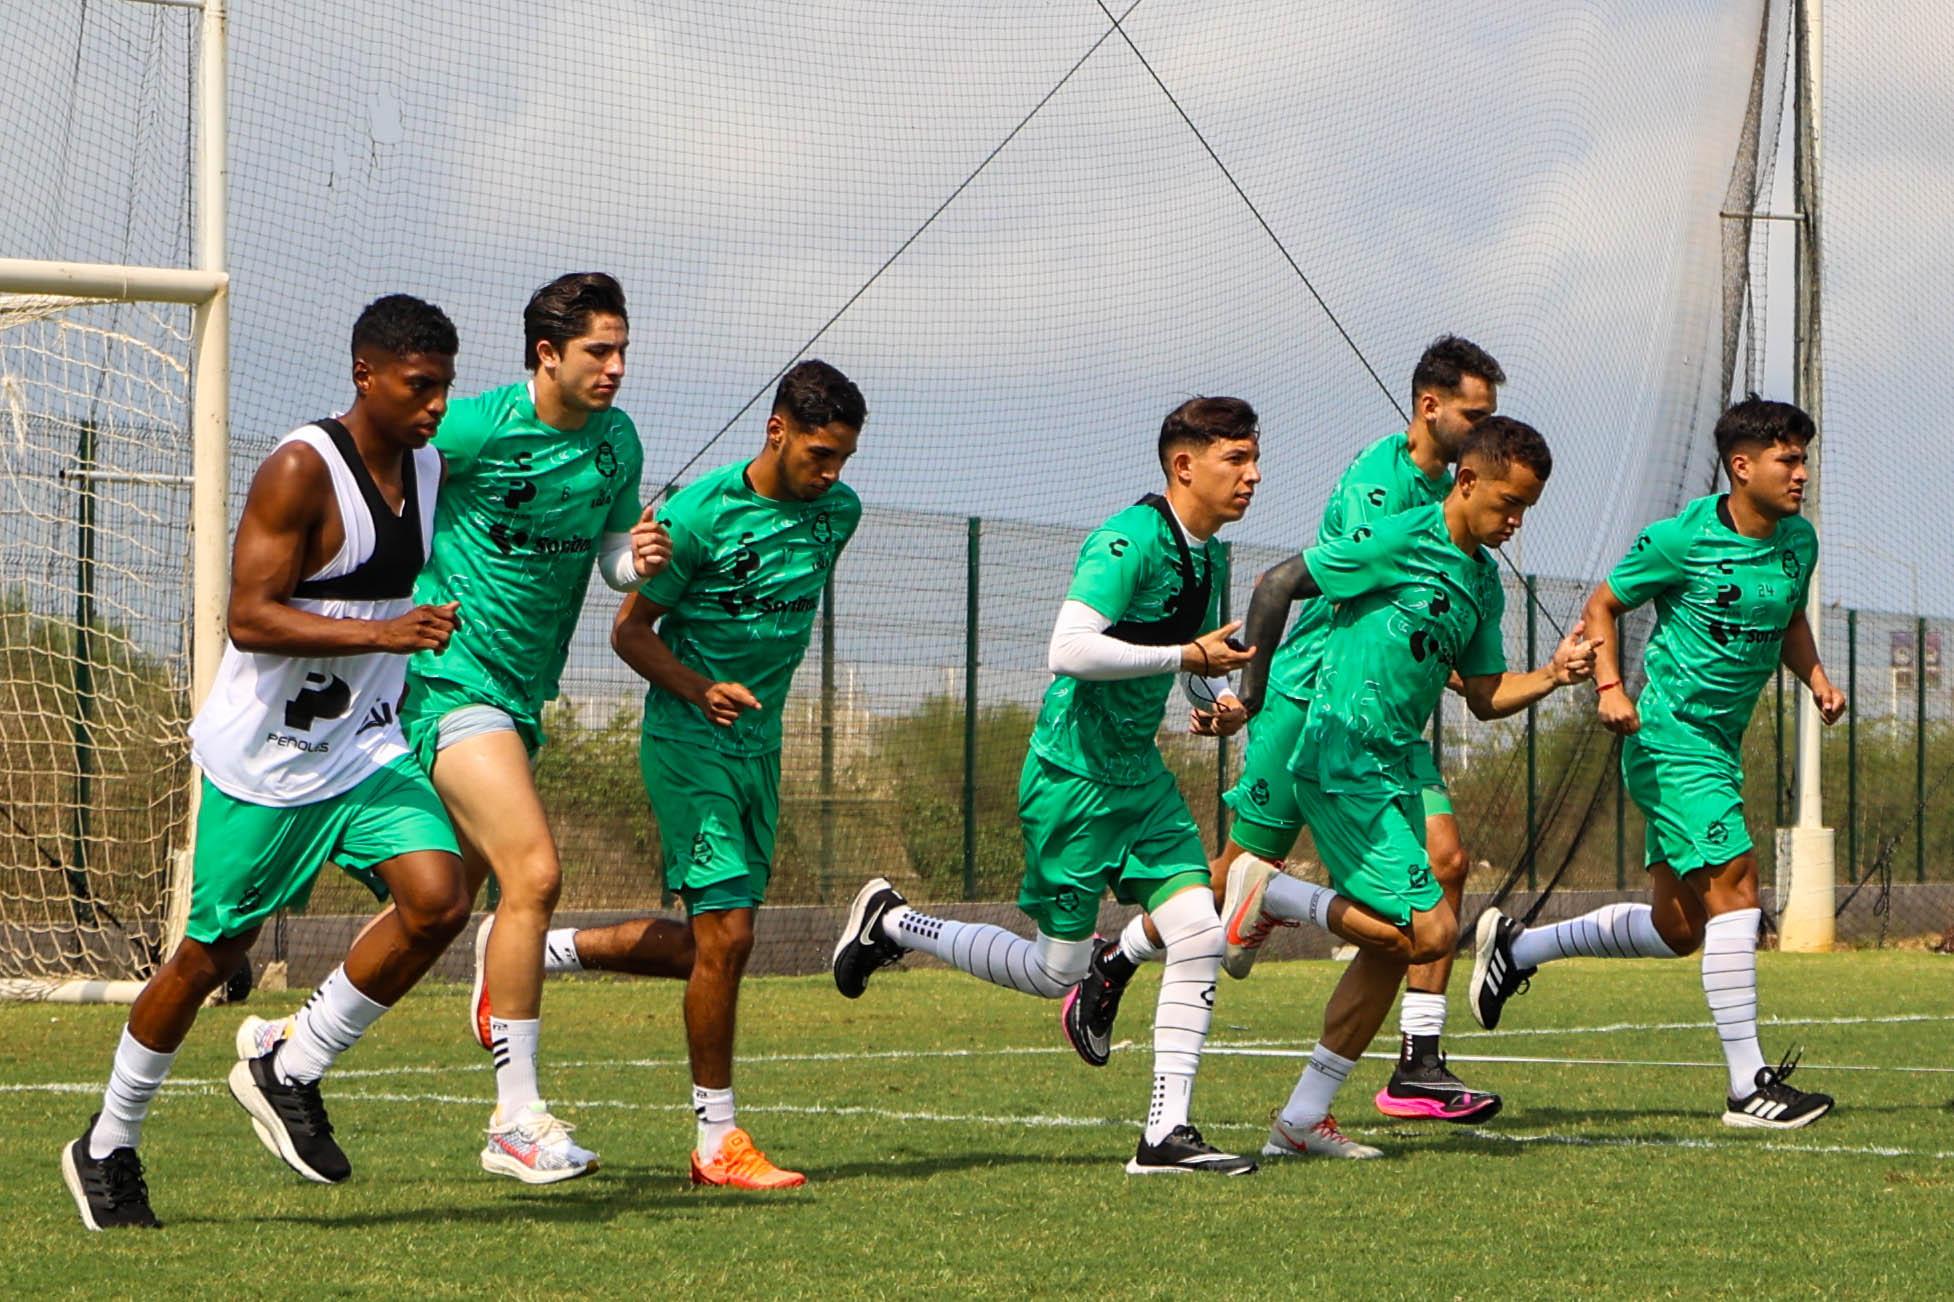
{"x":1730,"y":988}
{"x":1611,"y":931}
{"x":514,"y":1045}
{"x":1181,"y":1016}
{"x":1047,"y":967}
{"x":1317,"y":1088}
{"x":332,"y":1021}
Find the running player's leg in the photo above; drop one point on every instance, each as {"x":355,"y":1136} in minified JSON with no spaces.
{"x":649,"y":947}
{"x":1074,"y":847}
{"x":1373,"y":849}
{"x":1422,"y":1085}
{"x":1164,"y":873}
{"x":390,"y":829}
{"x":486,"y":783}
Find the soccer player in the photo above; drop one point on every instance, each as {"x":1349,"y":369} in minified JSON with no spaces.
{"x":304,"y":763}
{"x":1728,"y":576}
{"x":1418,"y":601}
{"x":1453,"y":387}
{"x":542,"y":478}
{"x":718,"y":635}
{"x":1096,"y":804}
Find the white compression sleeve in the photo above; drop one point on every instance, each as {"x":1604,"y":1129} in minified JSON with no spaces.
{"x":616,"y":563}
{"x":1081,"y":649}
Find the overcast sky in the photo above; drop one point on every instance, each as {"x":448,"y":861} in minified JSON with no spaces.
{"x":1541,"y":176}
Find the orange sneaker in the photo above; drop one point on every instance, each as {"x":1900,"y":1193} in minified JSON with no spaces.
{"x":742,"y":1166}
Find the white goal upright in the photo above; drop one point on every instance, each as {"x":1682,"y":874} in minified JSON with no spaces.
{"x":114,"y":484}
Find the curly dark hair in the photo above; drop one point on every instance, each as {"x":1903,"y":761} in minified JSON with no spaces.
{"x":1446,"y":363}
{"x":813,"y":394}
{"x":402,"y":325}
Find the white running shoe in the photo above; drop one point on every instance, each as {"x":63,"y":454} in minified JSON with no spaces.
{"x":257,"y":1036}
{"x":478,"y":1001}
{"x":535,"y":1148}
{"x":1244,"y":922}
{"x":1323,"y":1139}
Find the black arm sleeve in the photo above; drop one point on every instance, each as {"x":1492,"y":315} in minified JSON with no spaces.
{"x":1268,"y":615}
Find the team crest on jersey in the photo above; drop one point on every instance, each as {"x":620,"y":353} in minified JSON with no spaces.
{"x":1791,"y":563}
{"x":1259,"y":793}
{"x":822,"y":527}
{"x":606,"y":459}
{"x":701,"y":849}
{"x":1717,"y":833}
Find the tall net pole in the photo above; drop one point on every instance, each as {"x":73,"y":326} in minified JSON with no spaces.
{"x":1806,"y":921}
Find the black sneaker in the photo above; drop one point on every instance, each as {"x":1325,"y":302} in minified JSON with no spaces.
{"x":1091,"y":1006}
{"x":1425,"y":1089}
{"x":1495,"y":977}
{"x":863,"y":948}
{"x":1183,"y":1151}
{"x":290,"y":1120}
{"x":1774,"y":1105}
{"x":109,"y":1192}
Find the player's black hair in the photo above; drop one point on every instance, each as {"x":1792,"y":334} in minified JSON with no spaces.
{"x":1499,"y":441}
{"x":813,"y":394}
{"x":1201,"y":421}
{"x":1761,"y":423}
{"x":401,"y":324}
{"x":1446,"y":363}
{"x":561,"y":310}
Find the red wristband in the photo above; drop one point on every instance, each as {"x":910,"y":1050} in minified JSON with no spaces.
{"x":1599,"y":688}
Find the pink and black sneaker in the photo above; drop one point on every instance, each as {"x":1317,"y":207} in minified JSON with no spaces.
{"x":1423,"y":1088}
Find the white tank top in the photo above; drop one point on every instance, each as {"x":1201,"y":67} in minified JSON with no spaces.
{"x":286,"y":730}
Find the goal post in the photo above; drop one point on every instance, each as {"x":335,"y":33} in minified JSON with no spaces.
{"x":129,"y":441}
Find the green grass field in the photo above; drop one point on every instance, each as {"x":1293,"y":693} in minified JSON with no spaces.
{"x":954,"y":1145}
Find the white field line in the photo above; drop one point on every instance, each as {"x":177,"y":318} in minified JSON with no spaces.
{"x":1036,"y":1121}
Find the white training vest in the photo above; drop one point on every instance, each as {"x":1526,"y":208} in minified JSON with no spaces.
{"x":283,"y":730}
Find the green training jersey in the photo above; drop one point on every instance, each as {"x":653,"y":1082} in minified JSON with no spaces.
{"x":1722,"y":602}
{"x":1382,"y":481}
{"x":516,"y":530}
{"x":1129,"y":570}
{"x":1411,"y":608}
{"x":742,"y":591}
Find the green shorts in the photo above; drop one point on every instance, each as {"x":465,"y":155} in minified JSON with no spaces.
{"x":1373,"y":848}
{"x":252,"y":860}
{"x":429,"y":700}
{"x":1083,"y":838}
{"x":716,"y":819}
{"x":1267,"y":817}
{"x":1692,"y":800}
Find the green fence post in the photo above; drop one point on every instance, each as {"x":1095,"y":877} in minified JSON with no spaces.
{"x":827,"y":733}
{"x":1221,"y":743}
{"x":1533,"y":737}
{"x":973,"y":546}
{"x":1920,"y":748}
{"x":1777,"y":745}
{"x":1852,"y":742}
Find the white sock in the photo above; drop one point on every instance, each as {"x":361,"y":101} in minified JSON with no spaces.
{"x":1296,"y":900}
{"x":714,"y":1109}
{"x":1310,"y":1101}
{"x":1421,"y":1014}
{"x":1611,"y":931}
{"x":332,"y":1021}
{"x":1047,"y":967}
{"x":133,"y":1081}
{"x":1192,"y":936}
{"x":560,"y":950}
{"x":1136,"y":944}
{"x":514,"y":1045}
{"x":1730,"y":988}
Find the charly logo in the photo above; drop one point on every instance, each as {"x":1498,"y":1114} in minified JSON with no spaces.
{"x":606,"y":459}
{"x":1425,"y":641}
{"x":1118,"y":546}
{"x":324,"y":696}
{"x":1375,"y":496}
{"x":1259,"y":792}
